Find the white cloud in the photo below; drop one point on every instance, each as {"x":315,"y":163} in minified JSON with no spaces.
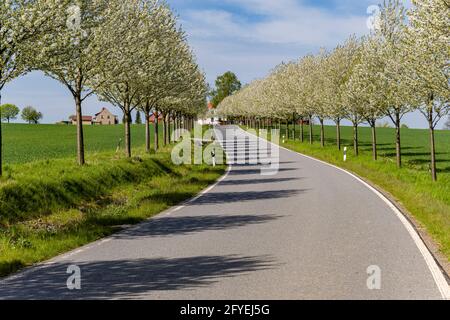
{"x":282,"y":21}
{"x":259,"y":34}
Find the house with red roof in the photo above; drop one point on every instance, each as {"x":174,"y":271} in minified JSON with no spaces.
{"x":153,"y":117}
{"x":87,"y":120}
{"x":104,"y":117}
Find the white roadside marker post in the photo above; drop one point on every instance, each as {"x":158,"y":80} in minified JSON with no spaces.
{"x":345,"y":154}
{"x":213,"y":156}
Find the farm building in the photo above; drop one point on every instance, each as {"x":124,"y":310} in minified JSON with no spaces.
{"x":210,"y":118}
{"x":105,"y":117}
{"x":152,"y":118}
{"x":87,"y":120}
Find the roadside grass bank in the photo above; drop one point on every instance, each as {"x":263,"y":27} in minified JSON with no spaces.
{"x":53,"y":206}
{"x":411,"y":186}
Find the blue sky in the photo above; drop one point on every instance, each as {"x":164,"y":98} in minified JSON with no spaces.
{"x":248,"y":37}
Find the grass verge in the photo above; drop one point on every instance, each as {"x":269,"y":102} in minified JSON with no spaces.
{"x":51,"y":207}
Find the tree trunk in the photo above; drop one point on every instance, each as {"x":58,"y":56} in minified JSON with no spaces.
{"x":170,"y":128}
{"x":398,"y":147}
{"x":1,"y":138}
{"x":322,"y":132}
{"x":127,"y":124}
{"x":433,"y":146}
{"x":80,"y":135}
{"x":180,"y":124}
{"x":147,"y":128}
{"x":374,"y":141}
{"x":302,"y":132}
{"x":338,"y":133}
{"x":355,"y":139}
{"x":311,"y":138}
{"x":295,"y":127}
{"x":175,"y":126}
{"x":156,"y":113}
{"x":164,"y":130}
{"x":287,"y":130}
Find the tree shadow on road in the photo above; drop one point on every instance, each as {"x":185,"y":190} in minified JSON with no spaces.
{"x":258,"y":171}
{"x":167,"y":226}
{"x":130,"y":279}
{"x":229,"y":197}
{"x":256,"y":181}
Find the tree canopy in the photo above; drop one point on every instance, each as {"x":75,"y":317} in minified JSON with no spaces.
{"x":31,"y":115}
{"x":131,"y":53}
{"x":9,"y":112}
{"x":401,"y":66}
{"x":226,"y":85}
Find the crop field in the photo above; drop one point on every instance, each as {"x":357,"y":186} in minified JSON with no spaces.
{"x":25,"y":143}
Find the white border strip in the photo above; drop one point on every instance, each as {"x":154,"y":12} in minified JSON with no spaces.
{"x":436,"y":272}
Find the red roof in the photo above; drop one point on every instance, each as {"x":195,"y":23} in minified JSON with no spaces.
{"x":84,"y":118}
{"x":152,"y":117}
{"x":210,"y":106}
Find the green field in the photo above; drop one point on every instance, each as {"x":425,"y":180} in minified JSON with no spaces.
{"x":411,"y":186}
{"x":24,"y":143}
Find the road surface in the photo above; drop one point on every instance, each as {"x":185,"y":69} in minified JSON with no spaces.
{"x":310,"y":231}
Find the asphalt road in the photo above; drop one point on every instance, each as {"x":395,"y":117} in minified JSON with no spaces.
{"x":309,"y":231}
